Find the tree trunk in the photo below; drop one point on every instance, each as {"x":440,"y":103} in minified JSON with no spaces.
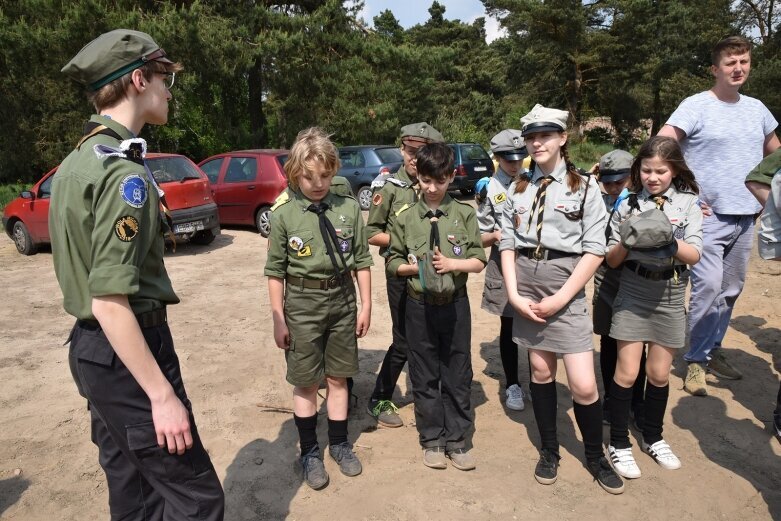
{"x":257,"y":117}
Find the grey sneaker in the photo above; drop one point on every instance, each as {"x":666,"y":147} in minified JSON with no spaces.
{"x":695,"y":380}
{"x":314,"y":470}
{"x":462,"y":459}
{"x":434,"y":457}
{"x":348,"y":462}
{"x":719,"y":366}
{"x":386,"y":413}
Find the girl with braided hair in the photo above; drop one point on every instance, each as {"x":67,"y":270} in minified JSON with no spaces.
{"x":553,"y":240}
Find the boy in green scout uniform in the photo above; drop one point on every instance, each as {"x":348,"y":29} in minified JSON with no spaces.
{"x":107,"y":247}
{"x":392,"y":193}
{"x":317,"y":241}
{"x":435,"y":243}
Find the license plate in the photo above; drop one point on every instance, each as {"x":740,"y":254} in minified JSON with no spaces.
{"x":188,"y":227}
{"x":480,"y":168}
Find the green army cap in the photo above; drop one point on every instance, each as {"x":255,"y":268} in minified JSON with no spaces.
{"x":422,"y":132}
{"x":112,"y":55}
{"x":615,"y":166}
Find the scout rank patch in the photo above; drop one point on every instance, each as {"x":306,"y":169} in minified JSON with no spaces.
{"x":126,"y":228}
{"x":500,"y":198}
{"x":344,"y":244}
{"x":377,"y":199}
{"x":456,"y":247}
{"x":133,"y":190}
{"x":678,"y":230}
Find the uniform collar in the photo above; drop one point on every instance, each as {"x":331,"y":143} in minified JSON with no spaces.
{"x":402,"y":175}
{"x":668,"y":194}
{"x":303,"y":202}
{"x":558,"y":173}
{"x":504,"y":178}
{"x":106,"y":121}
{"x":444,"y":206}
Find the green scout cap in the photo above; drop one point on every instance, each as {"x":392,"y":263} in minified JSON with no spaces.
{"x":649,"y":232}
{"x":615,"y":166}
{"x":112,"y":55}
{"x":544,"y":119}
{"x":422,"y":132}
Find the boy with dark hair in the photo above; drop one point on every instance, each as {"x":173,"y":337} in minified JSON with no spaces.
{"x":436,"y":243}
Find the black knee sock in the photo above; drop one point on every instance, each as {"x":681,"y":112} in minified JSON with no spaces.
{"x":638,"y":389}
{"x":508,"y":351}
{"x":655,"y":405}
{"x":337,"y":431}
{"x":589,"y":419}
{"x":608,"y":353}
{"x":307,"y":432}
{"x":620,"y":401}
{"x":544,"y":405}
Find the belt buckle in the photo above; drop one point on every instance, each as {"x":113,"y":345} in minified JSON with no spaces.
{"x":656,"y":276}
{"x":332,"y":283}
{"x":539,"y":254}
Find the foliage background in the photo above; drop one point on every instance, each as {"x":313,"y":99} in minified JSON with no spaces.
{"x":258,"y":71}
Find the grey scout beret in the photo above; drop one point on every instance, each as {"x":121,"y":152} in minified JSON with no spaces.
{"x":421,"y":132}
{"x":112,"y":55}
{"x":544,"y":119}
{"x":615,"y":166}
{"x":509,"y":145}
{"x":649,"y":232}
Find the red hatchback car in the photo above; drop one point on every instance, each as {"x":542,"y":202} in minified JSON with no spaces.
{"x":187,"y":192}
{"x":245,"y":185}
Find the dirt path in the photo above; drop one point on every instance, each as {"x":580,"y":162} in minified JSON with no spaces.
{"x":49,"y":470}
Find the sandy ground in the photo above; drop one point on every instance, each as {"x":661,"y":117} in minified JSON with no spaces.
{"x":233,"y":373}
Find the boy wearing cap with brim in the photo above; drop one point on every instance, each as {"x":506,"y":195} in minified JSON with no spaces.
{"x":392,"y":194}
{"x":107,"y":246}
{"x":613,"y":173}
{"x":491,"y":194}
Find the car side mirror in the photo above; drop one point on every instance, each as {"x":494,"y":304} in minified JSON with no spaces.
{"x":27,"y":195}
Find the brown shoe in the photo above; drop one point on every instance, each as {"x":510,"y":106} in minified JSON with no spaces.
{"x":695,"y":380}
{"x":462,"y":459}
{"x":434,"y":457}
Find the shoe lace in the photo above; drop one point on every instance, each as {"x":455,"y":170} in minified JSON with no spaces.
{"x":384,"y":405}
{"x":694,"y":371}
{"x":516,"y":393}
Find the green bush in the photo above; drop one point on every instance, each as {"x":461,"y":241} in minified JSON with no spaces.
{"x":9,"y":192}
{"x":586,"y":153}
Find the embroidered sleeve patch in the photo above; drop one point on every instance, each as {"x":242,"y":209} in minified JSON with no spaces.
{"x":133,"y":190}
{"x":377,"y":199}
{"x":500,"y":198}
{"x":126,"y":228}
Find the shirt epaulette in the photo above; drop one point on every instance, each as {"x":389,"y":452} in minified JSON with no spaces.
{"x":380,"y":180}
{"x":402,"y":209}
{"x":462,"y":202}
{"x":283,"y":198}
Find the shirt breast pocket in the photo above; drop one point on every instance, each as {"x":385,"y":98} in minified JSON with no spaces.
{"x":417,"y":245}
{"x":457,"y":244}
{"x":299,"y":243}
{"x":345,"y":237}
{"x":571,"y":208}
{"x":679,"y":226}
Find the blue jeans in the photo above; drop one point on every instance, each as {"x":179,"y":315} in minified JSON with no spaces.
{"x":717,"y":281}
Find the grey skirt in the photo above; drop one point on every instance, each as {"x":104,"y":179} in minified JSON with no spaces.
{"x":606,"y":281}
{"x":494,"y":295}
{"x":569,"y":330}
{"x":650,"y":310}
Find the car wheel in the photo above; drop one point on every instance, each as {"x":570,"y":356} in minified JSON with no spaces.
{"x":24,"y":243}
{"x":365,"y":197}
{"x":466,"y":191}
{"x":263,"y":221}
{"x":203,"y":237}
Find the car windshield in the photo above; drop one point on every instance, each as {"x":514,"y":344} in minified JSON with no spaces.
{"x":170,"y":169}
{"x":389,"y":155}
{"x":474,"y":152}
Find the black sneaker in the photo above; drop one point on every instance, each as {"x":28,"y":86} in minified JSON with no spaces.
{"x":547,"y":470}
{"x":348,"y":462}
{"x":605,"y":475}
{"x":314,"y":470}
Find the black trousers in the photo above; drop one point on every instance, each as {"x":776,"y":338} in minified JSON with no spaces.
{"x":396,"y":357}
{"x":440,"y":367}
{"x":145,"y":482}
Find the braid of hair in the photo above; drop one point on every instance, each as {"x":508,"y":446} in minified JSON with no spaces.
{"x":522,"y":181}
{"x":573,"y":175}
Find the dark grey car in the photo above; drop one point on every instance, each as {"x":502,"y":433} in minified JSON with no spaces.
{"x":362,"y":163}
{"x":472,"y":162}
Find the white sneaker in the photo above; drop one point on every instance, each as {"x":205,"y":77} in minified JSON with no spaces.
{"x":514,"y":398}
{"x":663,"y":454}
{"x":623,"y":462}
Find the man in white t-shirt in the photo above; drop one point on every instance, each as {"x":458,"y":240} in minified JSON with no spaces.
{"x":723,"y":135}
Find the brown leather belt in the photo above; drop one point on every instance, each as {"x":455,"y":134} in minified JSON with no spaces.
{"x":545,"y":254}
{"x":301,"y":282}
{"x":433,"y":299}
{"x":653,"y":274}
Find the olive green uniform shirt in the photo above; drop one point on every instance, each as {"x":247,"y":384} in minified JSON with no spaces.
{"x":106,"y":230}
{"x":458,"y":231}
{"x":395,"y":193}
{"x":297,"y":247}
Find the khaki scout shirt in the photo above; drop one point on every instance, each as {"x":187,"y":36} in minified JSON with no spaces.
{"x":583,"y":235}
{"x":388,"y":200}
{"x":458,"y":232}
{"x":681,"y":208}
{"x":768,"y":172}
{"x":490,"y":209}
{"x":106,"y":230}
{"x":297,"y":247}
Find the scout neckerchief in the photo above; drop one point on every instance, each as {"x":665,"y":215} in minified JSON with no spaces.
{"x":133,"y":150}
{"x":329,"y":237}
{"x":434,"y":216}
{"x":539,"y":205}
